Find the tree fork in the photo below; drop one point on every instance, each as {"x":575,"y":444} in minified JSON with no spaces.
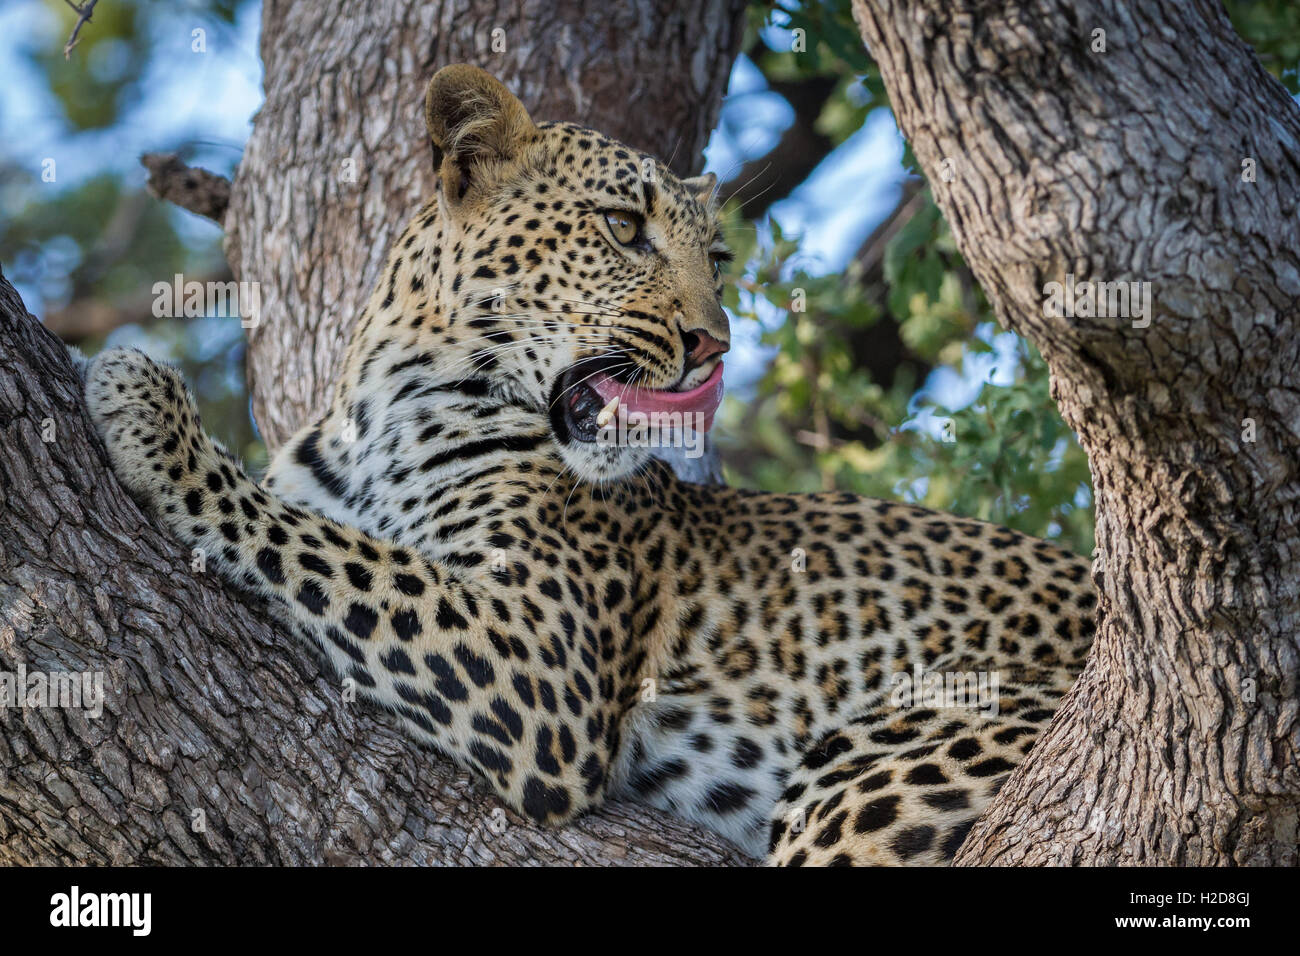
{"x":1157,"y":150}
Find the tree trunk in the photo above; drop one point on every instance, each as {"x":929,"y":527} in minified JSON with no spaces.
{"x":1169,"y":158}
{"x":339,"y":160}
{"x":220,"y":740}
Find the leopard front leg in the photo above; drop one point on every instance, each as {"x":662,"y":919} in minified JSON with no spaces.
{"x":414,"y":638}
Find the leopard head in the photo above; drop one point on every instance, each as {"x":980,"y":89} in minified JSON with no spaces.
{"x":576,"y":271}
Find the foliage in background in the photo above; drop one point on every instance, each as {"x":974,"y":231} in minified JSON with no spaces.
{"x":819,"y":421}
{"x":1272,"y":27}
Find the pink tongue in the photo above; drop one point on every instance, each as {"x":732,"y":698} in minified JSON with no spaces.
{"x":703,"y":400}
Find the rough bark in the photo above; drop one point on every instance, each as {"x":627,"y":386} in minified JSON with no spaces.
{"x":1179,"y":744}
{"x":338,"y":158}
{"x":209,"y":713}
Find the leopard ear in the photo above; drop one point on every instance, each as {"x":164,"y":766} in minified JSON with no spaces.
{"x":703,"y":188}
{"x":473,"y":120}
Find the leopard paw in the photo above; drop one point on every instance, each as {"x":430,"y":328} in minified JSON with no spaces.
{"x":142,"y":411}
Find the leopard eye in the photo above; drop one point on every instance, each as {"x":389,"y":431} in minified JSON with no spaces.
{"x":717,"y":269}
{"x":625,"y":227}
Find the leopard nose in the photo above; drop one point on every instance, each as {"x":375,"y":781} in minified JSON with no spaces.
{"x":700,"y":347}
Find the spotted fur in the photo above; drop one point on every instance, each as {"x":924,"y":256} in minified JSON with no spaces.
{"x":570,"y":620}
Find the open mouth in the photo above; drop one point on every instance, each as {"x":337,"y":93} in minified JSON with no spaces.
{"x":587,"y":398}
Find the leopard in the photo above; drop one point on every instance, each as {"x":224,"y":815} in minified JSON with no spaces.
{"x":820,"y":679}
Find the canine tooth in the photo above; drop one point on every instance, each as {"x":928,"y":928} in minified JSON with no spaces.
{"x":607,"y":413}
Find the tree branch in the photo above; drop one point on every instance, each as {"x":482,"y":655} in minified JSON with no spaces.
{"x":84,"y":11}
{"x":89,"y":317}
{"x":202,"y":192}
